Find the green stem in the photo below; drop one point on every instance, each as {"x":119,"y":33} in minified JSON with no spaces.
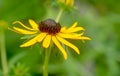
{"x":59,"y":15}
{"x":47,"y":56}
{"x":3,"y":54}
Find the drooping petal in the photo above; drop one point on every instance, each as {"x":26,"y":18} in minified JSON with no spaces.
{"x":28,"y":36}
{"x":59,"y":46}
{"x":41,"y":37}
{"x":22,"y":25}
{"x":33,"y":24}
{"x":31,"y":42}
{"x":69,"y":35}
{"x":68,"y":44}
{"x":14,"y":30}
{"x":46,"y":41}
{"x":22,"y":31}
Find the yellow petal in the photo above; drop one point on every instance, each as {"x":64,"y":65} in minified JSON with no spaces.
{"x":86,"y":38}
{"x":41,"y":37}
{"x":68,"y":44}
{"x":31,"y":42}
{"x":76,"y":29}
{"x":72,"y":29}
{"x":22,"y":25}
{"x":33,"y":24}
{"x":59,"y":46}
{"x":74,"y":36}
{"x":22,"y":31}
{"x":46,"y":41}
{"x":67,"y":2}
{"x":68,"y":35}
{"x":71,"y":2}
{"x":83,"y":38}
{"x":14,"y":30}
{"x":63,"y":29}
{"x":73,"y":26}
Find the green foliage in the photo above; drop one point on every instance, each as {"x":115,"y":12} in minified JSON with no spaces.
{"x":22,"y":9}
{"x":99,"y":57}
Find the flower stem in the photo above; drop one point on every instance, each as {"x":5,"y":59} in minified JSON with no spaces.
{"x":59,"y":15}
{"x":47,"y":56}
{"x":3,"y":53}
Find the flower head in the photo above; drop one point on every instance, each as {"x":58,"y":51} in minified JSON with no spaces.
{"x":69,"y":3}
{"x":65,"y":4}
{"x":48,"y":31}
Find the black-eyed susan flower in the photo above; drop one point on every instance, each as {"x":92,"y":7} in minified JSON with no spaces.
{"x":48,"y":31}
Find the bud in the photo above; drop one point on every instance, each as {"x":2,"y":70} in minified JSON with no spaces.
{"x":65,"y":3}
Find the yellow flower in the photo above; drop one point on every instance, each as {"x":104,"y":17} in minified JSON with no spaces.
{"x":69,"y":3}
{"x":49,"y":31}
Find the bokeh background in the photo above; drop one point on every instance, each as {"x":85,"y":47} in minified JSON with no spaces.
{"x":99,"y":57}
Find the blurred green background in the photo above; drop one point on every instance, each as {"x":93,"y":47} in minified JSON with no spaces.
{"x":99,"y":57}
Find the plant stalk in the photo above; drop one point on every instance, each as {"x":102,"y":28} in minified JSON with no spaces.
{"x":59,"y":15}
{"x":47,"y":56}
{"x":3,"y":53}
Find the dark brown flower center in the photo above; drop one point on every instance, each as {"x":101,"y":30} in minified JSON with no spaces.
{"x":49,"y":26}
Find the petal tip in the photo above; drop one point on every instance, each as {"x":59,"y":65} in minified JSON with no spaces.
{"x":14,"y":22}
{"x":87,"y":38}
{"x":76,"y":22}
{"x":77,"y":51}
{"x":29,"y":19}
{"x":65,"y":57}
{"x":21,"y":46}
{"x":45,"y":46}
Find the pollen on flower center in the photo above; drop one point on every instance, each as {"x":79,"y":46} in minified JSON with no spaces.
{"x":49,"y":26}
